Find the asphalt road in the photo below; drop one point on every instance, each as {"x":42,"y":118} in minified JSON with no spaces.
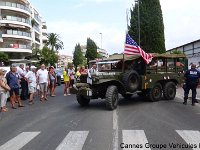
{"x":60,"y":123}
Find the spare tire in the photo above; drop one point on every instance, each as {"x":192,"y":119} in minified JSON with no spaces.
{"x":131,"y":81}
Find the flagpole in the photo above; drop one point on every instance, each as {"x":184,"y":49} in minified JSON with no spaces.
{"x":127,"y":12}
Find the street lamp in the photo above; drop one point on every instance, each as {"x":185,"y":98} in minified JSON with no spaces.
{"x":101,"y":39}
{"x":138,"y":2}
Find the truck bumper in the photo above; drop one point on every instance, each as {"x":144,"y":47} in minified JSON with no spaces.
{"x":81,"y":89}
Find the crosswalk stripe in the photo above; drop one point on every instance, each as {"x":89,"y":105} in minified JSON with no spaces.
{"x":134,"y":137}
{"x":19,"y":141}
{"x":190,"y":137}
{"x":73,"y":141}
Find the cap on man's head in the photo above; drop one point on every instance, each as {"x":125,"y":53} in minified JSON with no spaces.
{"x":13,"y":65}
{"x":33,"y":67}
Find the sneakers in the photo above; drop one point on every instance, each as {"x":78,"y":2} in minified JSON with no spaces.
{"x":185,"y":103}
{"x":65,"y":94}
{"x":193,"y":104}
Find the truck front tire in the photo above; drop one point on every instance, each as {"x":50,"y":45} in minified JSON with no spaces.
{"x":82,"y":100}
{"x":112,"y":97}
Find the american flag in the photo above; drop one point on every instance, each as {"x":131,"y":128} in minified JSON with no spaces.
{"x":132,"y":48}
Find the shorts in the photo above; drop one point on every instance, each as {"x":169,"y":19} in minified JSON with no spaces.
{"x":31,"y":89}
{"x":43,"y":87}
{"x":4,"y":96}
{"x":14,"y":91}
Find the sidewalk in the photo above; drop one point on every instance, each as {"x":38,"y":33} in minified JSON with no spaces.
{"x":180,"y":93}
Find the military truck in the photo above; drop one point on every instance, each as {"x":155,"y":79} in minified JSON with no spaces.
{"x":128,"y":75}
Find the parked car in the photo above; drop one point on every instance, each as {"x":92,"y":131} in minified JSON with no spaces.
{"x":59,"y":74}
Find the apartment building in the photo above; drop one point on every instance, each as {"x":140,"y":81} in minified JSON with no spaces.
{"x":21,"y":29}
{"x":101,"y":52}
{"x":63,"y":60}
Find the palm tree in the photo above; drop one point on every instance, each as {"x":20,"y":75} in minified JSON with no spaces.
{"x":54,"y":42}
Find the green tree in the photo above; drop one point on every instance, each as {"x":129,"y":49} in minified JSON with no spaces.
{"x":48,"y":56}
{"x":54,"y":42}
{"x":78,"y":55}
{"x":151,"y":26}
{"x":3,"y":57}
{"x":91,"y":52}
{"x":177,"y":52}
{"x":33,"y":22}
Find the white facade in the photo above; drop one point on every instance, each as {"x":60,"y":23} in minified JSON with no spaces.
{"x":18,"y":32}
{"x":101,"y":52}
{"x":192,"y":51}
{"x":63,"y":60}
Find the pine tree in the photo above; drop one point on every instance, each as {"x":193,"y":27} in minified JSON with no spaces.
{"x":151,"y":26}
{"x":91,"y":52}
{"x":78,"y":55}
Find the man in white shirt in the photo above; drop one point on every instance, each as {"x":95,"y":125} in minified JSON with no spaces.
{"x":31,"y":78}
{"x":43,"y":81}
{"x":24,"y":85}
{"x":91,"y":71}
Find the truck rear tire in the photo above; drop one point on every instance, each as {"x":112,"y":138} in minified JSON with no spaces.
{"x":169,"y":91}
{"x":155,"y":93}
{"x":112,"y":97}
{"x":82,"y":100}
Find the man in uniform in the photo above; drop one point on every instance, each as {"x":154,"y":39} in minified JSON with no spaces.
{"x":192,"y":79}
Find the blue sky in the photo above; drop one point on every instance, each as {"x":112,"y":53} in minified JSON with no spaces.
{"x":75,"y":20}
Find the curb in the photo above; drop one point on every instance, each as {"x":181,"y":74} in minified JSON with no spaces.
{"x":190,"y":98}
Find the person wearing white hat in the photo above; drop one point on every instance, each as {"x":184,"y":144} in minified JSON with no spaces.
{"x":31,"y":78}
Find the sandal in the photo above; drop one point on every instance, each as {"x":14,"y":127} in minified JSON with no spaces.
{"x":13,"y":107}
{"x":3,"y":110}
{"x":30,"y":103}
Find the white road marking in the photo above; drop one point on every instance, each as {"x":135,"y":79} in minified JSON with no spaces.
{"x":134,"y":137}
{"x":190,"y":137}
{"x":73,"y":141}
{"x":115,"y":130}
{"x":19,"y":141}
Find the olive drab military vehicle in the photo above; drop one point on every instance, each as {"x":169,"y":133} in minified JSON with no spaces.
{"x":130,"y":75}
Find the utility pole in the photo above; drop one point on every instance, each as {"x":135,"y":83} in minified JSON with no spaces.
{"x":101,"y":39}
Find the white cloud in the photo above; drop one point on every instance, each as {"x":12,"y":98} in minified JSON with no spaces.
{"x":74,"y":32}
{"x":181,"y":20}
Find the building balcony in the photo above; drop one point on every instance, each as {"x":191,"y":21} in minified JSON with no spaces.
{"x":16,"y":34}
{"x":37,"y":19}
{"x":16,"y":50}
{"x":44,"y":31}
{"x":44,"y":38}
{"x":15,"y":20}
{"x":15,"y":7}
{"x":12,"y":23}
{"x":36,"y":29}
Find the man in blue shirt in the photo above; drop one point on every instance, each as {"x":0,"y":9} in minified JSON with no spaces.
{"x":192,"y":77}
{"x":13,"y":82}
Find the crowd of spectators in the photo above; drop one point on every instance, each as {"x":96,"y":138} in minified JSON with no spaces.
{"x":22,"y":83}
